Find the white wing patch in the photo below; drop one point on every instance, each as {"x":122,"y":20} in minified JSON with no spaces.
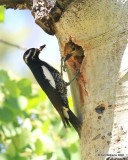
{"x":65,"y":111}
{"x":49,"y":76}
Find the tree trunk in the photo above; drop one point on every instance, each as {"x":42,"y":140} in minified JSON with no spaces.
{"x":100,"y":29}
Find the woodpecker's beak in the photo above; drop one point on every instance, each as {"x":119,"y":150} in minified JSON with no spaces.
{"x":67,"y":57}
{"x":42,"y":47}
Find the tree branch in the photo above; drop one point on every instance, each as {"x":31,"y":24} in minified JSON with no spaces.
{"x":13,"y":45}
{"x":16,"y":4}
{"x":47,"y":20}
{"x":12,"y":1}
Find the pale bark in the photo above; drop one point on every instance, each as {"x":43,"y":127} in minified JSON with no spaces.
{"x":100,"y":28}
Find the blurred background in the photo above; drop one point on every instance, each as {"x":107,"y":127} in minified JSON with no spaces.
{"x":19,"y":28}
{"x":30,"y":128}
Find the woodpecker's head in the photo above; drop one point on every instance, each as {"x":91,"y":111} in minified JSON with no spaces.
{"x":32,"y":54}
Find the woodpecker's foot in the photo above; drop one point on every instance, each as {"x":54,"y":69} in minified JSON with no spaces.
{"x":63,"y":66}
{"x":63,"y":60}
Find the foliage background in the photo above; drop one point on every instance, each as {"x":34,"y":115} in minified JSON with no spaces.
{"x":30,"y":128}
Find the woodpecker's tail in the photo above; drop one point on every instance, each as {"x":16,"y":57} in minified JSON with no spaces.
{"x":77,"y":124}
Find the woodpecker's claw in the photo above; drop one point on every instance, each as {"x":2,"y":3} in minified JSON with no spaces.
{"x":75,"y":76}
{"x":63,"y":66}
{"x":63,"y":60}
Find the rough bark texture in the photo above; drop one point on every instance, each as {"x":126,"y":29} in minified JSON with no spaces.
{"x":100,"y":28}
{"x":100,"y":94}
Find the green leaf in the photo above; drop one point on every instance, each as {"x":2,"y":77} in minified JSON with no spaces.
{"x":42,"y":95}
{"x":20,"y":141}
{"x":8,"y":130}
{"x":1,"y":13}
{"x":6,"y":115}
{"x":3,"y":76}
{"x":60,"y":154}
{"x":12,"y":104}
{"x":21,"y":158}
{"x":45,"y":127}
{"x":11,"y":86}
{"x":32,"y":103}
{"x":66,"y":153}
{"x":3,"y":157}
{"x":49,"y":155}
{"x":75,"y":156}
{"x":11,"y":150}
{"x":22,"y":101}
{"x":25,"y":87}
{"x":74,"y":148}
{"x":39,"y":147}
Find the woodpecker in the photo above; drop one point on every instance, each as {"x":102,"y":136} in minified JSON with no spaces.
{"x":51,"y":82}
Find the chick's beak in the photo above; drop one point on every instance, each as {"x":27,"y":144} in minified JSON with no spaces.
{"x":67,"y":57}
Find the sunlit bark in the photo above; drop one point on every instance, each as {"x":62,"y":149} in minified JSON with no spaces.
{"x":101,"y":29}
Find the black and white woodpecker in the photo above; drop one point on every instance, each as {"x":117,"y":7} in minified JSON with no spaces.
{"x":53,"y":85}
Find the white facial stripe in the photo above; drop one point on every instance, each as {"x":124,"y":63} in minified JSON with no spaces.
{"x":34,"y":54}
{"x":49,"y":76}
{"x":26,"y":57}
{"x":65,"y":111}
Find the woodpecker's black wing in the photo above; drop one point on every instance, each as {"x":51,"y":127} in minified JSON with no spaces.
{"x":61,"y":89}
